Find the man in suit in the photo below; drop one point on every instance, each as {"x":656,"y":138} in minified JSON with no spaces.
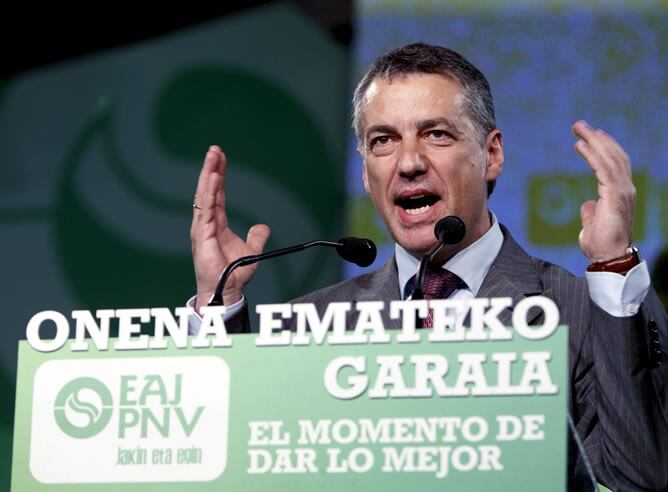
{"x":427,"y":135}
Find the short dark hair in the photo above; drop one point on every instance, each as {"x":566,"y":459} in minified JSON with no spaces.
{"x":420,"y":58}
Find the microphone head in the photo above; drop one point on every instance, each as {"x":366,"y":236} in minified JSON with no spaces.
{"x":357,"y":250}
{"x":450,"y":230}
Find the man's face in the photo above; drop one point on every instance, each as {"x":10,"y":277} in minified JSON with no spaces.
{"x":423,"y":159}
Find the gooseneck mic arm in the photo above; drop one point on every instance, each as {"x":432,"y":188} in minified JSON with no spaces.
{"x":360,"y":251}
{"x":448,"y":230}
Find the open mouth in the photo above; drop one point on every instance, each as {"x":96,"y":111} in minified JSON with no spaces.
{"x":417,"y":204}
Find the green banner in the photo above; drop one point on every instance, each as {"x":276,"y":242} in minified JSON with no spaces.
{"x":380,"y":415}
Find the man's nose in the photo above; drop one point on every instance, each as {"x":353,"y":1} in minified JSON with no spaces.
{"x":411,"y":162}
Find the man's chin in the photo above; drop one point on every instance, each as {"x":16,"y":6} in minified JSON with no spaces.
{"x":417,"y":245}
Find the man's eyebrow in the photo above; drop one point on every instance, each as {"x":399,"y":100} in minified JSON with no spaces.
{"x":434,"y":122}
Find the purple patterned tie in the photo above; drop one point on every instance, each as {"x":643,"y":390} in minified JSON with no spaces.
{"x":438,"y":284}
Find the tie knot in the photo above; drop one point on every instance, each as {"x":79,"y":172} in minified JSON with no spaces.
{"x":440,"y":283}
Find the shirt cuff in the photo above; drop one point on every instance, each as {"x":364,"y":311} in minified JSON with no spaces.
{"x":620,"y":295}
{"x":195,"y":320}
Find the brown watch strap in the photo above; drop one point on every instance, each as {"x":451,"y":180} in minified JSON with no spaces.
{"x":619,"y":265}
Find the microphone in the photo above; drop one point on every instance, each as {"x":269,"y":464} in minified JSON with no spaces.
{"x":448,"y":230}
{"x":356,"y":250}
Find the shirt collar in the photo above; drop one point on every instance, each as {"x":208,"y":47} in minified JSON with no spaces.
{"x":471,"y":264}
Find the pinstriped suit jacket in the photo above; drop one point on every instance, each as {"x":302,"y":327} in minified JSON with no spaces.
{"x":618,"y":384}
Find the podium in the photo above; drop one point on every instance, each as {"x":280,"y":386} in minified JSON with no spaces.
{"x":365,"y":409}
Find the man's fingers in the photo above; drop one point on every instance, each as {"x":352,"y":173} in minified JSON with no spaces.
{"x":585,"y":146}
{"x":209,"y":201}
{"x":207,"y":209}
{"x":211,"y":164}
{"x":203,"y":204}
{"x":603,"y":154}
{"x":582,"y":129}
{"x":257,"y":237}
{"x":596,"y":162}
{"x":600,"y":142}
{"x":221,"y":163}
{"x":596,"y":137}
{"x":584,"y":150}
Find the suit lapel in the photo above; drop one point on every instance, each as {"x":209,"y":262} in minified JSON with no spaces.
{"x":512,"y":274}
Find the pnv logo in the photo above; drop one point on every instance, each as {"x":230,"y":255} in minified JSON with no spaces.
{"x":83,"y":407}
{"x":130,"y":420}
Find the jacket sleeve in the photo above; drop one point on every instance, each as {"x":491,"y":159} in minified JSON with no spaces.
{"x":621,"y":399}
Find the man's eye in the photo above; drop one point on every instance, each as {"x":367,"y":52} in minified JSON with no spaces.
{"x":439,"y":137}
{"x":382,"y":140}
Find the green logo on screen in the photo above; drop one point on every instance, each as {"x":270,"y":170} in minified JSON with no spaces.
{"x":83,"y":407}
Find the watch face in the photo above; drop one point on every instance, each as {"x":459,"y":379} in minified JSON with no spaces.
{"x":632,"y":250}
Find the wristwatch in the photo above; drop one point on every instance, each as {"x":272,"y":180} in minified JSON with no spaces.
{"x":620,"y":265}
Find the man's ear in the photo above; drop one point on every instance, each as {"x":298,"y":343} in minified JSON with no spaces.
{"x":494,"y":152}
{"x":365,"y":178}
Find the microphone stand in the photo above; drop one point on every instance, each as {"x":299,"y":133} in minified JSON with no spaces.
{"x":359,"y":251}
{"x":448,"y":230}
